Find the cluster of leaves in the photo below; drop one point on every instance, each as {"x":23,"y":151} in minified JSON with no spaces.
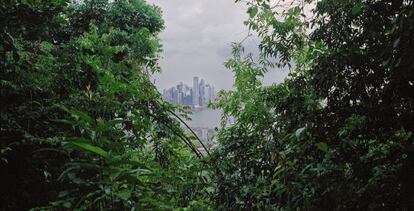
{"x":82,"y":126}
{"x":337,"y":134}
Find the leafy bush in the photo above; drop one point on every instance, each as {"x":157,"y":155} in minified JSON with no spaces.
{"x":337,"y":133}
{"x":82,"y":126}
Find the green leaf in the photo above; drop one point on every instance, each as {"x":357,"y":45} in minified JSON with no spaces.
{"x":65,"y":121}
{"x":295,"y":11}
{"x":83,"y":116}
{"x":299,"y":132}
{"x":396,"y":43}
{"x":91,"y":148}
{"x":252,"y":11}
{"x":78,"y":114}
{"x":63,"y":194}
{"x":131,"y":179}
{"x":357,"y":9}
{"x":106,"y":126}
{"x":125,"y":195}
{"x":322,"y":146}
{"x":67,"y":204}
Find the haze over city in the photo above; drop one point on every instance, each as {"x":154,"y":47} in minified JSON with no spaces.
{"x":197,"y":41}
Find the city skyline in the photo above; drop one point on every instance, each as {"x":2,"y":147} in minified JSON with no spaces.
{"x":197,"y":96}
{"x":192,"y":25}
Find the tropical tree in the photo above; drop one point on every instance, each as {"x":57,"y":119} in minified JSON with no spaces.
{"x":337,"y":134}
{"x":82,"y":125}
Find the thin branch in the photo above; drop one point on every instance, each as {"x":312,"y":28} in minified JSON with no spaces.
{"x":185,"y":140}
{"x":199,"y":140}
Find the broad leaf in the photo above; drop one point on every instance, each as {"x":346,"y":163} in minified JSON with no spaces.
{"x":322,"y":146}
{"x":91,"y":148}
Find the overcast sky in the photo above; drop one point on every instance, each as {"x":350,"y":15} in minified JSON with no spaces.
{"x":197,"y":41}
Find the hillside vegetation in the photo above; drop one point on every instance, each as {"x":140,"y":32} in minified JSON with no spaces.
{"x":84,"y":128}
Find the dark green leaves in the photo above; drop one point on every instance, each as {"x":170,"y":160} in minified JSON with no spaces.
{"x":88,"y":58}
{"x":322,"y":146}
{"x":357,"y":9}
{"x":252,"y":11}
{"x":350,"y":87}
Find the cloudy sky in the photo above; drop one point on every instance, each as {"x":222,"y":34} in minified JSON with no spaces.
{"x":197,"y":39}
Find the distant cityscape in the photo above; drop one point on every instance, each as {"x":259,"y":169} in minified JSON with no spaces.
{"x":198,"y":96}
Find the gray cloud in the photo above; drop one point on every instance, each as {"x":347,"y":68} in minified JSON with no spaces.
{"x":197,"y":41}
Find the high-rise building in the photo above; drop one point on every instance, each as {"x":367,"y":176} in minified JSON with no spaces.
{"x":200,"y":95}
{"x":180,"y":98}
{"x":202,"y":88}
{"x":196,"y":92}
{"x":208,"y":94}
{"x":174,"y":95}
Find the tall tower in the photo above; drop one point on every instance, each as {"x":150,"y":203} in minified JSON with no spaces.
{"x":202,"y":93}
{"x":180,"y":94}
{"x":196,"y":92}
{"x":208,"y":94}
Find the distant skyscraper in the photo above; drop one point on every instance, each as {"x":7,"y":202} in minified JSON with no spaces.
{"x":202,"y":89}
{"x":196,"y":92}
{"x":174,"y":95}
{"x":180,"y":98}
{"x":212,"y":94}
{"x":208,"y":94}
{"x":200,"y":95}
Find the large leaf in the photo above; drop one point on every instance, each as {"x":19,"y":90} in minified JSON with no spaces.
{"x":106,"y":126}
{"x":91,"y":148}
{"x":252,"y":11}
{"x":357,"y":9}
{"x":77,"y":114}
{"x":83,"y":116}
{"x":299,"y":132}
{"x":322,"y":146}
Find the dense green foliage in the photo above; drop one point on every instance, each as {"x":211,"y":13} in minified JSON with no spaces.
{"x":82,"y":126}
{"x":337,"y":134}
